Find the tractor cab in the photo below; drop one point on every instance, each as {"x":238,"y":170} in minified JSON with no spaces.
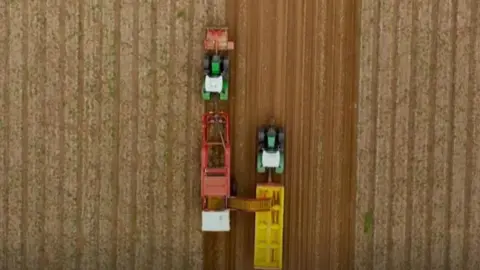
{"x":216,"y":73}
{"x":270,"y":149}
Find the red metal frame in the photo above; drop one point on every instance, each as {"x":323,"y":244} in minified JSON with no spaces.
{"x":213,"y":39}
{"x":215,"y":182}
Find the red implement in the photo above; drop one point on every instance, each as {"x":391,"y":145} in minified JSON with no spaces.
{"x":216,"y":38}
{"x":215,"y":170}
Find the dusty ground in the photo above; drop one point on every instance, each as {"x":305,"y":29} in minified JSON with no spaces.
{"x":100,"y":134}
{"x":418,"y":135}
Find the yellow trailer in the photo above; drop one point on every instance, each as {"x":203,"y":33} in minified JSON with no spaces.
{"x":269,"y":228}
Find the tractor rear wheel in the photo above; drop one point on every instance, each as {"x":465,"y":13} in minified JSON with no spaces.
{"x":261,"y":135}
{"x":225,"y":63}
{"x":206,"y":64}
{"x":281,"y":135}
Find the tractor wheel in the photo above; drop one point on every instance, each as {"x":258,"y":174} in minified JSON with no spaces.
{"x":233,"y":187}
{"x":261,"y":136}
{"x":281,"y":138}
{"x":281,"y":166}
{"x":281,"y":135}
{"x":206,"y":95}
{"x":224,"y":93}
{"x":260,"y":168}
{"x":206,"y":64}
{"x":225,"y":65}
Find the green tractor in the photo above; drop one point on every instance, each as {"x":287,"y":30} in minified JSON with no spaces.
{"x":271,"y":144}
{"x":215,"y":68}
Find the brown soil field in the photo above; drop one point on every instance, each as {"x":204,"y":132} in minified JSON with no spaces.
{"x":418,"y":136}
{"x":100,"y":132}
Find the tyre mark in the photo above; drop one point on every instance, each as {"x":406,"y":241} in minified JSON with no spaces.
{"x":442,"y":136}
{"x":162,"y":39}
{"x":80,"y":136}
{"x":470,"y":169}
{"x":335,"y":130}
{"x":431,"y":134}
{"x":367,"y":133}
{"x":338,"y":115}
{"x":210,"y":12}
{"x":299,"y":110}
{"x":266,"y":31}
{"x":128,"y":117}
{"x":328,"y":85}
{"x":474,"y":230}
{"x":317,"y":121}
{"x":450,"y":132}
{"x":191,"y":131}
{"x":51,"y":227}
{"x":140,"y":206}
{"x":345,"y":228}
{"x":170,"y":136}
{"x":108,"y":195}
{"x":127,"y":129}
{"x":98,"y":88}
{"x":71,"y":111}
{"x":353,"y":47}
{"x":290,"y":216}
{"x":24,"y":135}
{"x":135,"y":159}
{"x":308,"y":102}
{"x":14,"y":176}
{"x":33,"y":174}
{"x":459,"y":135}
{"x":397,"y":161}
{"x":61,"y":173}
{"x":5,"y":128}
{"x":92,"y":90}
{"x":422,"y":23}
{"x":296,"y":138}
{"x":353,"y":112}
{"x":116,"y":136}
{"x":153,"y":71}
{"x":279,"y":61}
{"x":179,"y":141}
{"x":408,"y":33}
{"x":42,"y":133}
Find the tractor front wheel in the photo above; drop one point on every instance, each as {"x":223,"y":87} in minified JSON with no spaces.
{"x":260,"y":168}
{"x":224,"y":93}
